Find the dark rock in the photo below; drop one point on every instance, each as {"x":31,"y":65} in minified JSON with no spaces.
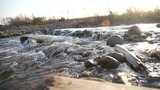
{"x":134,"y":30}
{"x":23,"y":39}
{"x":53,"y":50}
{"x":107,"y":62}
{"x":118,"y":56}
{"x":148,"y":34}
{"x":132,"y":59}
{"x":158,"y":25}
{"x":112,"y":41}
{"x":28,"y":42}
{"x":57,"y":32}
{"x":88,"y":64}
{"x":155,"y":53}
{"x":84,"y":33}
{"x":6,"y":74}
{"x":134,"y":34}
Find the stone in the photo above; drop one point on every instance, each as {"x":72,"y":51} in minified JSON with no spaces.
{"x":132,"y":59}
{"x":158,"y":25}
{"x":155,"y":53}
{"x":53,"y":50}
{"x":134,"y":30}
{"x":134,"y":34}
{"x":6,"y":74}
{"x":29,"y":43}
{"x":114,"y":40}
{"x":88,"y":64}
{"x":84,"y":34}
{"x":121,"y":58}
{"x":23,"y":39}
{"x":107,"y":62}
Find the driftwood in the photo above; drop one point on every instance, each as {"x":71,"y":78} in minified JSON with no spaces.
{"x":132,"y":59}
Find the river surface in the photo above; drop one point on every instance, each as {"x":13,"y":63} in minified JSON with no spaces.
{"x":69,"y":51}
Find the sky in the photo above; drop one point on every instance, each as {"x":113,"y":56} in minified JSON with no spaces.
{"x":70,"y":8}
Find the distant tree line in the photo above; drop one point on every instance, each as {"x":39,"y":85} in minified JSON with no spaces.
{"x":131,"y":16}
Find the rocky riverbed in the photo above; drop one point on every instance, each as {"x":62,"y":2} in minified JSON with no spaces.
{"x":121,"y":54}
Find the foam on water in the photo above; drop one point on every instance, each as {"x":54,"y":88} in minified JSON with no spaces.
{"x":122,"y":28}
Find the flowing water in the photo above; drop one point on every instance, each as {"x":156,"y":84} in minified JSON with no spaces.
{"x":71,"y":48}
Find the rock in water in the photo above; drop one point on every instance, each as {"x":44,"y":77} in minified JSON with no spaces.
{"x":46,"y":39}
{"x":107,"y":62}
{"x":155,"y":53}
{"x":28,"y":42}
{"x":118,"y":56}
{"x":131,"y":58}
{"x":134,"y":30}
{"x":134,"y":34}
{"x":158,"y":25}
{"x":81,"y":34}
{"x":88,"y":64}
{"x":23,"y":39}
{"x":113,"y":40}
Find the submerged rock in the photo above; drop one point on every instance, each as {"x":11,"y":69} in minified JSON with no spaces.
{"x":113,"y":40}
{"x":107,"y":62}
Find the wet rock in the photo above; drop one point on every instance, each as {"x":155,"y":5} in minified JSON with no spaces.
{"x":78,"y":50}
{"x":148,"y":34}
{"x":97,"y":36}
{"x":41,"y":39}
{"x":128,"y":79}
{"x":88,"y":64}
{"x":118,"y":56}
{"x":107,"y":62}
{"x":134,"y":34}
{"x":158,"y":25}
{"x":113,"y":40}
{"x":78,"y":58}
{"x":132,"y":59}
{"x":86,"y":74}
{"x":46,"y":31}
{"x":155,"y":53}
{"x":101,"y":35}
{"x":53,"y":50}
{"x":62,"y":33}
{"x":134,"y":30}
{"x":28,"y":43}
{"x":84,"y":33}
{"x":23,"y":39}
{"x":127,"y":75}
{"x":6,"y":74}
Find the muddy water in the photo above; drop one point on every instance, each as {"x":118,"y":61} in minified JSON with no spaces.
{"x":72,"y":48}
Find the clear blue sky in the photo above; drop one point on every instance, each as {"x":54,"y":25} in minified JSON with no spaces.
{"x":70,"y":8}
